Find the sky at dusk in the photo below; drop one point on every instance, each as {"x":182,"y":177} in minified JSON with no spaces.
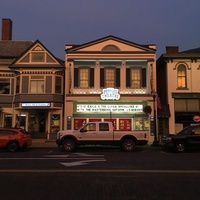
{"x":58,"y":22}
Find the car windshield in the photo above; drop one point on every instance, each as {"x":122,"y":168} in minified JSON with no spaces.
{"x":186,"y":131}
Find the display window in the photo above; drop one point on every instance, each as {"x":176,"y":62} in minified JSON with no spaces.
{"x":141,"y":123}
{"x":125,"y":125}
{"x":79,"y":122}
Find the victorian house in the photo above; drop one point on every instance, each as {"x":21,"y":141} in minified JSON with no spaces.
{"x":31,"y":85}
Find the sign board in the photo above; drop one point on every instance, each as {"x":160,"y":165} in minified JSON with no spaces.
{"x":110,"y":94}
{"x":109,"y":108}
{"x":35,"y":104}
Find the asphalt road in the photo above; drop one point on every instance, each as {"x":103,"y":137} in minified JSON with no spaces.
{"x":99,"y":173}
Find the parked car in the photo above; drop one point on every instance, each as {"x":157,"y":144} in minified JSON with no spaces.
{"x":14,"y":139}
{"x":187,"y":138}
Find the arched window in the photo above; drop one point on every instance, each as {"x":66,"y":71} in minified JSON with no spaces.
{"x":110,"y":47}
{"x":181,"y":76}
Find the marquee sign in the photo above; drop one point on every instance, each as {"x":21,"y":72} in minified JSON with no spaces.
{"x":110,"y":94}
{"x":109,"y":108}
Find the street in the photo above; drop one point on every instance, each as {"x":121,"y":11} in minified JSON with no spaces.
{"x":99,"y":173}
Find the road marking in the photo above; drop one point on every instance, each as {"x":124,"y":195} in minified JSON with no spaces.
{"x":98,"y":171}
{"x":82,"y":162}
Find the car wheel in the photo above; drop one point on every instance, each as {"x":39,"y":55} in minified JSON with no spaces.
{"x":69,"y":145}
{"x":128,"y":145}
{"x":180,"y":147}
{"x":12,"y":146}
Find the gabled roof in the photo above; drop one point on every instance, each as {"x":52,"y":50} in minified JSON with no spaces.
{"x":13,"y":49}
{"x":34,"y":44}
{"x":110,"y":37}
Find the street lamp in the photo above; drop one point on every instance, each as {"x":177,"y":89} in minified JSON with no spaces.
{"x":155,"y":142}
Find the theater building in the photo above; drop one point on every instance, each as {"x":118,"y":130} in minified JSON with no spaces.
{"x":110,"y":79}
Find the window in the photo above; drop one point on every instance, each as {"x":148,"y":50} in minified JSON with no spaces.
{"x":17,"y":84}
{"x":4,"y":86}
{"x":181,"y":76}
{"x":136,"y":77}
{"x":37,"y":86}
{"x":197,"y":130}
{"x":103,"y":127}
{"x":83,"y":77}
{"x":90,"y":127}
{"x":58,"y":85}
{"x":110,"y":77}
{"x":38,"y":57}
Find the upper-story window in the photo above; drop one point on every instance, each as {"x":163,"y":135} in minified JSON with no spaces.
{"x":4,"y":86}
{"x":110,"y":77}
{"x":37,"y":84}
{"x":58,"y":85}
{"x":181,"y":76}
{"x":83,"y":77}
{"x":17,"y":84}
{"x":136,"y":77}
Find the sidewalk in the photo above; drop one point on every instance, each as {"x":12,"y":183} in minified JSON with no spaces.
{"x":44,"y":143}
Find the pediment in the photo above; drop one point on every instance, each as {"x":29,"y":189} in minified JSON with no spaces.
{"x":111,"y":44}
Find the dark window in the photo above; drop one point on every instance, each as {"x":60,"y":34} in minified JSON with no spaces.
{"x":4,"y":86}
{"x":103,"y":127}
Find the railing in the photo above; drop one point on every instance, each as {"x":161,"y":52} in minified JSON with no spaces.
{"x":99,"y":91}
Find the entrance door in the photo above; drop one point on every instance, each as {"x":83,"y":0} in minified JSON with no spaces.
{"x":37,"y":123}
{"x":42,"y":121}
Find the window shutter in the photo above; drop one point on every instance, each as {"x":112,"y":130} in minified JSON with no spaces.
{"x":144,"y":78}
{"x":128,"y":80}
{"x":101,"y":77}
{"x":75,"y":77}
{"x":117,"y":78}
{"x":91,"y":77}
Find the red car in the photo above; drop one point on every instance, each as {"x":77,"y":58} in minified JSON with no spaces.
{"x":14,"y":139}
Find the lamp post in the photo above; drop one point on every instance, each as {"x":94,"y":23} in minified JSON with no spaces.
{"x":155,"y":142}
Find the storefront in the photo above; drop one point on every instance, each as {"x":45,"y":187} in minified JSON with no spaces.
{"x":125,"y":116}
{"x":41,"y":120}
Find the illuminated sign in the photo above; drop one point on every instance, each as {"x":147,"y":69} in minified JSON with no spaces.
{"x":110,"y":94}
{"x":109,"y":108}
{"x":35,"y":104}
{"x":196,"y":118}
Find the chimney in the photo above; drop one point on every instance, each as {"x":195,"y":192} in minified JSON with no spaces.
{"x":172,"y":49}
{"x":6,"y":29}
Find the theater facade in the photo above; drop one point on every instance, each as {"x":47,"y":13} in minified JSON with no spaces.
{"x":110,"y":79}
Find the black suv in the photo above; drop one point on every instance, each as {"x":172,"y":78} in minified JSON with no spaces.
{"x":188,"y":138}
